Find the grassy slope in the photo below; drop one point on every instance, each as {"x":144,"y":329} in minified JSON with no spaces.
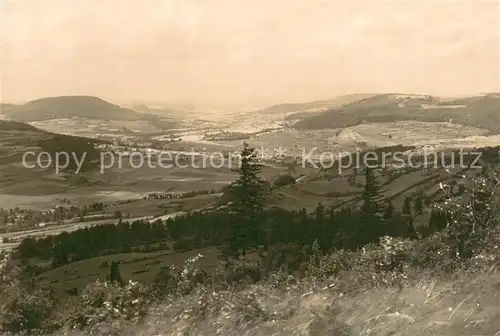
{"x":142,"y":267}
{"x":17,"y":138}
{"x":480,"y":112}
{"x":337,"y":191}
{"x":466,"y":306}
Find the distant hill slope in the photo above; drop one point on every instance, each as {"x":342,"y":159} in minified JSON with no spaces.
{"x":17,"y":137}
{"x":9,"y":126}
{"x":308,"y":107}
{"x":480,"y":111}
{"x":331,"y":187}
{"x":69,"y":107}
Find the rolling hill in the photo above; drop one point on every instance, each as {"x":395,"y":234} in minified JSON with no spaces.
{"x":69,"y":107}
{"x":17,"y":138}
{"x":294,"y":110}
{"x":478,"y":111}
{"x":343,"y":187}
{"x":278,"y":116}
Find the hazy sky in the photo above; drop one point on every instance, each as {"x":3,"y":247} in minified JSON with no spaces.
{"x":247,"y":52}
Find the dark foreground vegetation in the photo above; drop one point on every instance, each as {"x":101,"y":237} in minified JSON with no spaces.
{"x":364,"y":270}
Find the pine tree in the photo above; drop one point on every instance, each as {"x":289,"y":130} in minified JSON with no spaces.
{"x":407,"y":206}
{"x":248,"y":189}
{"x":390,"y":211}
{"x":320,"y":212}
{"x":248,"y":196}
{"x":408,"y":220}
{"x":437,"y":221}
{"x":418,"y":206}
{"x":411,"y":231}
{"x":372,"y":224}
{"x":114,"y":274}
{"x":392,"y":220}
{"x":59,"y":257}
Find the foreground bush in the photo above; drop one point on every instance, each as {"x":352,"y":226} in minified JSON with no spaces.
{"x":24,"y":309}
{"x":103,"y":302}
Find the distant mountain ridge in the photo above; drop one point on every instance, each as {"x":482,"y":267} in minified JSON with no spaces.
{"x":307,"y":107}
{"x":69,"y":107}
{"x":477,"y":111}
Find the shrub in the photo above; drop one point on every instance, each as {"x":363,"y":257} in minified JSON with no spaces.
{"x":173,"y":281}
{"x":24,"y":309}
{"x":282,"y":181}
{"x":183,"y":244}
{"x":102,"y":302}
{"x":473,"y":224}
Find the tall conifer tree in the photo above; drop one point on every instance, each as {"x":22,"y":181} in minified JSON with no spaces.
{"x":248,"y":195}
{"x":372,"y":222}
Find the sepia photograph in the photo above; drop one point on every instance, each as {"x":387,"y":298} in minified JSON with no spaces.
{"x":235,"y":167}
